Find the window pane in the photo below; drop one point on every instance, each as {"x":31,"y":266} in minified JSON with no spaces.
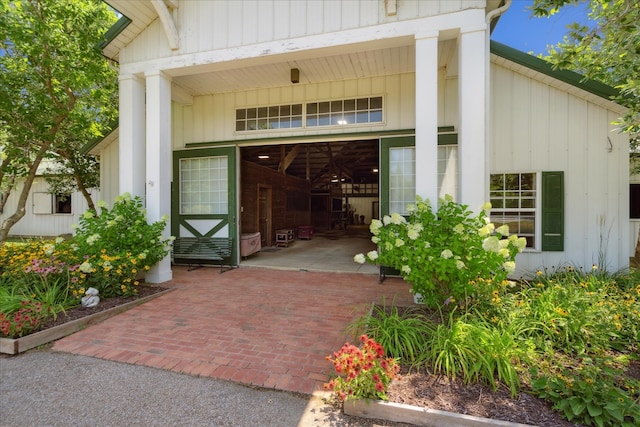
{"x":204,"y":190}
{"x":513,"y":202}
{"x":497,"y":182}
{"x":349,"y":118}
{"x":401,"y":178}
{"x":324,"y":120}
{"x":323,"y":107}
{"x":349,"y":105}
{"x":362,"y":118}
{"x":312,"y":108}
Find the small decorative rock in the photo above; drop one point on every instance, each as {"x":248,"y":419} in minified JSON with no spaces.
{"x":91,"y":298}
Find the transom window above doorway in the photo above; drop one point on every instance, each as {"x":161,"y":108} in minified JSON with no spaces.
{"x":344,"y":112}
{"x":273,"y":117}
{"x":314,"y":114}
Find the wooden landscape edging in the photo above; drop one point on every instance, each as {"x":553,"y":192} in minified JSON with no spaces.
{"x":418,"y":416}
{"x":20,"y":345}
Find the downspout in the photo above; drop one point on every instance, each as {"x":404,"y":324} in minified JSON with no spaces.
{"x":489,"y":18}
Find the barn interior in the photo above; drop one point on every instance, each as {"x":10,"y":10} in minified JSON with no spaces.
{"x":328,"y":189}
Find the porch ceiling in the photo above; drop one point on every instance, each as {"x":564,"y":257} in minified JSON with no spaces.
{"x":346,"y":66}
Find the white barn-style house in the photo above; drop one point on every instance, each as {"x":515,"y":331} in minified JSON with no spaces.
{"x":257,"y":115}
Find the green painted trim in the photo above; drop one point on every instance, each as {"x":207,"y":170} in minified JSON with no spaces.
{"x":448,"y":139}
{"x":385,"y":145}
{"x":540,"y":65}
{"x":113,"y":32}
{"x":231,"y":218}
{"x":112,"y":127}
{"x":443,"y":138}
{"x":364,"y":135}
{"x":553,"y":211}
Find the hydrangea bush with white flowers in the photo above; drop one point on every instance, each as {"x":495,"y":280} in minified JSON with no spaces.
{"x":119,"y":244}
{"x":443,"y":253}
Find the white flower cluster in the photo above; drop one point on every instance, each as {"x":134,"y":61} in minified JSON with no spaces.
{"x":86,"y":267}
{"x":93,"y":238}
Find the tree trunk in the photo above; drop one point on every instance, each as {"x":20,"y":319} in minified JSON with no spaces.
{"x":85,"y":193}
{"x":24,"y":195}
{"x":5,"y":195}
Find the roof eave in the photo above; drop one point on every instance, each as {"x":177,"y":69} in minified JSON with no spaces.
{"x":540,"y":65}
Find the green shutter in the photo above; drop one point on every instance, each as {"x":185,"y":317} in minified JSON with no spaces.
{"x":552,"y":211}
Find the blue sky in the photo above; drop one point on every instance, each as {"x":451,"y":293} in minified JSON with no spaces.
{"x":519,"y":29}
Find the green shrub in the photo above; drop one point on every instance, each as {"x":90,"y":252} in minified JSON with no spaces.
{"x":119,"y":244}
{"x":592,"y":391}
{"x":402,"y":335}
{"x":442,"y":253}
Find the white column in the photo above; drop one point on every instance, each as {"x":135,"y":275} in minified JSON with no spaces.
{"x":158,"y":172}
{"x":131,"y":158}
{"x":427,"y":116}
{"x":472,"y":139}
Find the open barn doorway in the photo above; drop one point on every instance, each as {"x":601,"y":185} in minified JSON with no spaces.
{"x":323,"y":195}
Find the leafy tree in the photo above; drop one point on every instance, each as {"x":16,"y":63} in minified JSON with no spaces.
{"x":57,"y":91}
{"x":73,"y":170}
{"x":606,"y":49}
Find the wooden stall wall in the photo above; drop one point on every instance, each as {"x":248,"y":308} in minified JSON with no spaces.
{"x":290,"y":199}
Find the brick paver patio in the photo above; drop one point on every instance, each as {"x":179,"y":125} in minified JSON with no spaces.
{"x":265,"y":327}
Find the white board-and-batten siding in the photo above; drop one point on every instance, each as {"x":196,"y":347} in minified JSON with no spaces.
{"x":537,"y":127}
{"x":45,"y":224}
{"x":212,"y":25}
{"x":212,"y":117}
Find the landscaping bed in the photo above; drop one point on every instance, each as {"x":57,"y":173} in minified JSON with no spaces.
{"x":77,"y":318}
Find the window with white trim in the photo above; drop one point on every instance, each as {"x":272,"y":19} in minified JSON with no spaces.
{"x":62,"y":203}
{"x":402,"y":178}
{"x":204,"y":185}
{"x":322,"y":113}
{"x":402,"y":175}
{"x":344,"y":112}
{"x":272,"y":117}
{"x":513,"y":199}
{"x":47,"y":203}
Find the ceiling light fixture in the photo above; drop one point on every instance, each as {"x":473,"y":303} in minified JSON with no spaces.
{"x":263,"y":157}
{"x":375,"y":170}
